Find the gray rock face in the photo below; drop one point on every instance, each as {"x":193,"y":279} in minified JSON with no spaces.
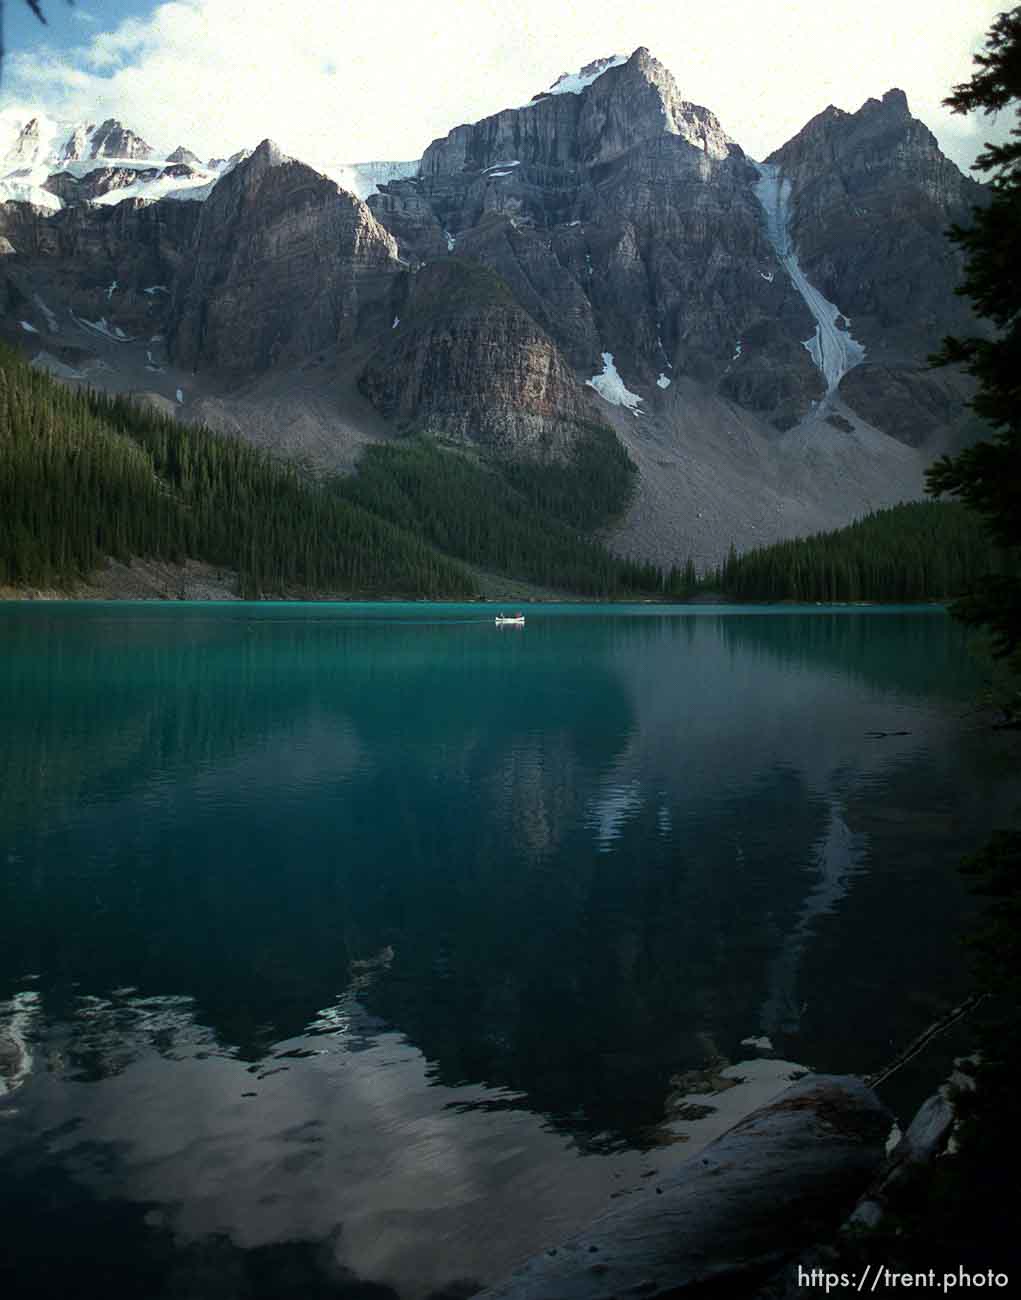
{"x":102,"y":180}
{"x":631,"y":102}
{"x":71,"y":258}
{"x":906,"y":400}
{"x":283,"y":264}
{"x":872,"y":197}
{"x":623,"y":219}
{"x":405,"y":210}
{"x":465,"y":360}
{"x":111,"y":140}
{"x":76,"y":147}
{"x":183,"y":155}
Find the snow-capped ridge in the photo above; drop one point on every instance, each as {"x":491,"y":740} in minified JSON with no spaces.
{"x":573,"y":83}
{"x":268,"y":151}
{"x":35,"y":149}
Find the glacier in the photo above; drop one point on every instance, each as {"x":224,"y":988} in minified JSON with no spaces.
{"x":833,"y":350}
{"x":363,"y":179}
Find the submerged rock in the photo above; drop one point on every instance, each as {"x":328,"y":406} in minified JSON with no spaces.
{"x":740,"y":1208}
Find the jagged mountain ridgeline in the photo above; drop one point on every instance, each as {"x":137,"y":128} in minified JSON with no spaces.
{"x":605,"y":257}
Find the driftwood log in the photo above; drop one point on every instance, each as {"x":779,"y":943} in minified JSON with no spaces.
{"x":737,"y":1210}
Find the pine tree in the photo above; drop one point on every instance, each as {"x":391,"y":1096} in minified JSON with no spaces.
{"x":987,"y":476}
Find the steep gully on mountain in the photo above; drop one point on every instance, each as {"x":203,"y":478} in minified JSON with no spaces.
{"x":832,"y":348}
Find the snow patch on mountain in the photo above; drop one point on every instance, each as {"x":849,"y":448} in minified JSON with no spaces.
{"x":197,"y":187}
{"x":610,"y":386}
{"x":14,"y":189}
{"x":116,"y":335}
{"x":364,"y":178}
{"x":573,"y":83}
{"x":51,"y":320}
{"x":832,"y":348}
{"x":79,"y":168}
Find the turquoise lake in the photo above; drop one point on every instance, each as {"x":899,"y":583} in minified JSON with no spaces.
{"x":363,"y":950}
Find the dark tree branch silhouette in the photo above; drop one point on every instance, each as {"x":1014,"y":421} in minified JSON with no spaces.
{"x":987,"y":476}
{"x":36,"y":7}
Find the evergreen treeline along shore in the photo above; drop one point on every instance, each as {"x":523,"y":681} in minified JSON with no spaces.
{"x":922,"y":550}
{"x":519,"y":520}
{"x":84,"y":476}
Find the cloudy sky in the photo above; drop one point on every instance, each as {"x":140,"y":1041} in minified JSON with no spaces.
{"x":335,"y":81}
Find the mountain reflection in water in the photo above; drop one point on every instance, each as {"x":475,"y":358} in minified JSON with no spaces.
{"x":370,"y":938}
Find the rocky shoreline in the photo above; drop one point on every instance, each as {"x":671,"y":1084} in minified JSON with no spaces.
{"x":765,"y":1210}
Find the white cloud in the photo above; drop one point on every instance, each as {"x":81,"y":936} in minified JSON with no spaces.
{"x":330,"y":80}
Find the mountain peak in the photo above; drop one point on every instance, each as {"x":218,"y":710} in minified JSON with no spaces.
{"x":896,"y":99}
{"x":268,"y":151}
{"x":894,"y":103}
{"x":183,"y":155}
{"x":573,"y":83}
{"x":111,"y":139}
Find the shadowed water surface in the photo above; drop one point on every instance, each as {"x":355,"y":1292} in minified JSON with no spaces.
{"x":360,"y":951}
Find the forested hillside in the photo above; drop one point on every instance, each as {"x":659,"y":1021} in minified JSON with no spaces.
{"x":85,"y":476}
{"x":522,"y":520}
{"x":922,"y":550}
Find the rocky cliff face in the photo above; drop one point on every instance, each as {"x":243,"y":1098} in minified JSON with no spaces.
{"x":464,"y":360}
{"x":871,"y":199}
{"x":183,"y":155}
{"x":98,"y":181}
{"x":108,"y":140}
{"x":283,"y":265}
{"x":109,"y":264}
{"x":791,"y":300}
{"x":111,"y":140}
{"x":625,"y":219}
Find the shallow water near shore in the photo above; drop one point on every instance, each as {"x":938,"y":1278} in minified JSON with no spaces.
{"x":363,"y":950}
